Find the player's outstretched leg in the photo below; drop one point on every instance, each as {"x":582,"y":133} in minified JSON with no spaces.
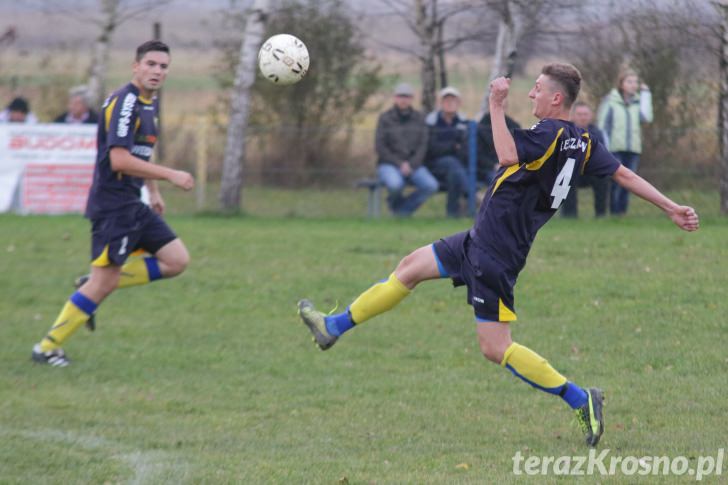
{"x":527,"y":365}
{"x":169,"y":261}
{"x":420,"y":265}
{"x":77,"y":310}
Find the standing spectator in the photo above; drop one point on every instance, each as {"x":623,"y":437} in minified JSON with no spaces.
{"x":446,"y":151}
{"x":582,"y":116}
{"x":401,"y":143}
{"x":18,"y":111}
{"x":78,"y":108}
{"x":487,"y":158}
{"x":620,"y":116}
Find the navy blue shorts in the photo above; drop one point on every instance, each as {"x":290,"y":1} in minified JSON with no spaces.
{"x":490,"y":285}
{"x":115,"y":237}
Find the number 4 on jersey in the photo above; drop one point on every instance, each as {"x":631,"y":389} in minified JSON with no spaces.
{"x":561,"y":186}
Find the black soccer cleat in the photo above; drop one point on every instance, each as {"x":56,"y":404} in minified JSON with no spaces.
{"x":591,"y":418}
{"x":316,"y":323}
{"x":91,"y":322}
{"x":54,"y":358}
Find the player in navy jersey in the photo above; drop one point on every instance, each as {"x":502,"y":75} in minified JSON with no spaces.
{"x":120,"y":222}
{"x":536,"y":168}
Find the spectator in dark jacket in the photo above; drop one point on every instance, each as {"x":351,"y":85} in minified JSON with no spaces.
{"x":487,"y":158}
{"x":582,"y":115}
{"x":78,"y":109}
{"x":447,"y":149}
{"x":401,"y":143}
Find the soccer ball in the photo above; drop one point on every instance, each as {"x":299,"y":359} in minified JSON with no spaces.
{"x":283,"y":59}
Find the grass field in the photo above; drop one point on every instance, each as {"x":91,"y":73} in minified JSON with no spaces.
{"x":211,"y":378}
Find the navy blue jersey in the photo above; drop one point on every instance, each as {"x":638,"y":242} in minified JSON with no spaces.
{"x":524,"y":196}
{"x":129,"y":121}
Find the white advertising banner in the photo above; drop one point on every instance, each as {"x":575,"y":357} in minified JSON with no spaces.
{"x":46,"y":168}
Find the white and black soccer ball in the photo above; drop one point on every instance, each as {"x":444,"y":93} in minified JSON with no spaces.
{"x":283,"y":59}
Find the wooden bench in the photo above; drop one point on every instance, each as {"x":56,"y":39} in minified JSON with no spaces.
{"x":375,"y":197}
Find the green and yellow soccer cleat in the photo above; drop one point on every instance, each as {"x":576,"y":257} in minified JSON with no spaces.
{"x":316,"y":323}
{"x":590,"y":417}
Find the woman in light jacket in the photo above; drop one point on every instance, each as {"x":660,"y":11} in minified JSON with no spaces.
{"x":620,"y":116}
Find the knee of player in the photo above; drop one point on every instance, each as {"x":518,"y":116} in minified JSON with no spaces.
{"x":176,"y":265}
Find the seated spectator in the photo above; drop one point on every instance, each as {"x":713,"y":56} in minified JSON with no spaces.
{"x":18,"y":111}
{"x":401,"y":143}
{"x":78,"y":108}
{"x":582,"y":115}
{"x":447,"y":149}
{"x":487,"y":158}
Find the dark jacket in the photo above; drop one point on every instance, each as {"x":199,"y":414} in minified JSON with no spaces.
{"x":487,"y":156}
{"x":401,"y":137}
{"x":92,"y":118}
{"x":446,"y":139}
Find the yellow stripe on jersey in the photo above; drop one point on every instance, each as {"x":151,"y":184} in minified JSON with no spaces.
{"x":536,"y":164}
{"x":103,"y":259}
{"x":509,"y":171}
{"x":588,"y":151}
{"x":145,"y":100}
{"x":108,"y":112}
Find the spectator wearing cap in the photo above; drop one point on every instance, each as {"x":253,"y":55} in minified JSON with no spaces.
{"x":18,"y":111}
{"x":447,"y":149}
{"x":401,"y":143}
{"x":78,"y":108}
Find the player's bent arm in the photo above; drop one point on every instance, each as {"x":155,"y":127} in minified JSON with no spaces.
{"x":683,"y":216}
{"x":123,"y":161}
{"x":505,"y":146}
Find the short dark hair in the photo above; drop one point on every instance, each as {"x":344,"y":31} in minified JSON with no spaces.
{"x":567,"y":77}
{"x":19,"y":105}
{"x":151,"y":46}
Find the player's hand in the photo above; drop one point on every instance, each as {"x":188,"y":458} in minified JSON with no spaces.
{"x":405,"y":169}
{"x":157,"y":202}
{"x":182,"y":179}
{"x":499,"y":89}
{"x":685,"y":218}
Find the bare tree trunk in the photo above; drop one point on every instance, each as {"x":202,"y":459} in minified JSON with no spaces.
{"x":505,"y":48}
{"x":232,"y":168}
{"x":441,"y":65}
{"x":100,"y":59}
{"x":426,"y":33}
{"x":723,"y":108}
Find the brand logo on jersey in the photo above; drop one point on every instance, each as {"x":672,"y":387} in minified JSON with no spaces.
{"x":125,"y":116}
{"x":478,"y":299}
{"x":573,"y":144}
{"x":142,"y":151}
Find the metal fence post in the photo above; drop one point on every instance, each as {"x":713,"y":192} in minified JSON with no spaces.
{"x":472,"y":165}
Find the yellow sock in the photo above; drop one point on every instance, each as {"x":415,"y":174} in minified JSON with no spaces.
{"x":532,"y":368}
{"x":378,"y":299}
{"x":139,"y":272}
{"x":75,"y":313}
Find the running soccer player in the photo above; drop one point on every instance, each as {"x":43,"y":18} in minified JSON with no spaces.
{"x":534,"y":179}
{"x":120,"y":221}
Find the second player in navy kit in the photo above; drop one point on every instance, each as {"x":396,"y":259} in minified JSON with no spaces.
{"x":536,"y":167}
{"x":120,"y":222}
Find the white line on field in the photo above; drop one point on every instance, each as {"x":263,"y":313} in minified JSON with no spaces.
{"x":148,"y":466}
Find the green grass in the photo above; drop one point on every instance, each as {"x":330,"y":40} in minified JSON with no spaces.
{"x":210,"y":378}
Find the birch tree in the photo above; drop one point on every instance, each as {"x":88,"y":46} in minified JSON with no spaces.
{"x":722,"y":6}
{"x":232,"y":169}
